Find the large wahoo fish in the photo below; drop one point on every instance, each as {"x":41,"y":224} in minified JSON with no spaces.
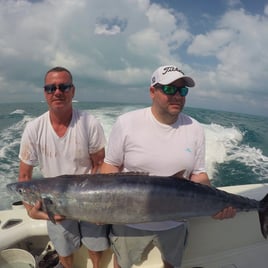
{"x":132,"y":198}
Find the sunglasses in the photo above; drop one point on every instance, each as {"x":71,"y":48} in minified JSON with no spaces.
{"x":52,"y":88}
{"x":172,"y":90}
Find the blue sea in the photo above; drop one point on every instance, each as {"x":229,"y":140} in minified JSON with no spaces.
{"x":236,"y":153}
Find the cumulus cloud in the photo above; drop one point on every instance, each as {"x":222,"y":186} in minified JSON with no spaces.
{"x":239,"y":44}
{"x":112,"y":46}
{"x":110,"y":26}
{"x":211,"y":43}
{"x":92,"y":38}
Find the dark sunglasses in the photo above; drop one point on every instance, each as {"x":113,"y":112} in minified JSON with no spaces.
{"x":172,"y":90}
{"x":53,"y":87}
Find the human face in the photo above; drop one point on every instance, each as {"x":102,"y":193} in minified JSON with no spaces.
{"x":59,"y":99}
{"x":166,"y":108}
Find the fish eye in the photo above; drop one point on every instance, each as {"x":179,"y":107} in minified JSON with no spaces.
{"x":20,"y":191}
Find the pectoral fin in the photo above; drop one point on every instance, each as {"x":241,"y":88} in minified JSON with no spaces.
{"x":46,"y":203}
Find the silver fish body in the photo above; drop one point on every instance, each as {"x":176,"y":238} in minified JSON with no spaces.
{"x":131,"y":198}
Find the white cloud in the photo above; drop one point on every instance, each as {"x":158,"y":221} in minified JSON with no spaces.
{"x":114,"y":45}
{"x":110,"y":26}
{"x":234,"y":3}
{"x":266,"y":10}
{"x":239,"y":44}
{"x":105,"y":29}
{"x":211,"y":43}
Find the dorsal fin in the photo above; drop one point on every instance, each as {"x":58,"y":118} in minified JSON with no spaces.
{"x":129,"y":173}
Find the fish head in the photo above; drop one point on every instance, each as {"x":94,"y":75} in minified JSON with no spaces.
{"x":25,"y":191}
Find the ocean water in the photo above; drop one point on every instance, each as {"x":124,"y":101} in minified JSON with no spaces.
{"x":236,"y":144}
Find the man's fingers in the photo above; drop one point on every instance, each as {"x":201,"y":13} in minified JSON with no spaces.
{"x":226,"y":213}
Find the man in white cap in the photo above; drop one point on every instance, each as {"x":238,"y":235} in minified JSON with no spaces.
{"x":159,"y":140}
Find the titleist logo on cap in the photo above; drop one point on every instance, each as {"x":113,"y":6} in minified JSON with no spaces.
{"x":171,"y":69}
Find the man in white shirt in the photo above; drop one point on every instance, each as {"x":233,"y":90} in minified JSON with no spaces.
{"x":159,"y":140}
{"x":64,"y":141}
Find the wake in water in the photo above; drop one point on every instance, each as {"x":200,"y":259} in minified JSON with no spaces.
{"x":225,"y":146}
{"x":220,"y":142}
{"x":232,"y":155}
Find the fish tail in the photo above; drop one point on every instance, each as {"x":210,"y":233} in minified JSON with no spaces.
{"x":263,"y":216}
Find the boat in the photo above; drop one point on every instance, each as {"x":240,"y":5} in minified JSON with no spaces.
{"x":230,"y":243}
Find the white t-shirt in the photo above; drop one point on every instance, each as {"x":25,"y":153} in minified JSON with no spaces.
{"x":142,"y":144}
{"x":62,"y":155}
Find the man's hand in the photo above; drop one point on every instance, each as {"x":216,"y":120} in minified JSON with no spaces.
{"x":226,"y":213}
{"x":35,"y":212}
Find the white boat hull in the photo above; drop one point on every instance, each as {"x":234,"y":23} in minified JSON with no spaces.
{"x":232,"y":243}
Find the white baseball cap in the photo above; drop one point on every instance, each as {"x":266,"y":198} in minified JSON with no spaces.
{"x":167,"y":74}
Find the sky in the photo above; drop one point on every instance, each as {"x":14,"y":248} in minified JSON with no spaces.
{"x":112,"y":48}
